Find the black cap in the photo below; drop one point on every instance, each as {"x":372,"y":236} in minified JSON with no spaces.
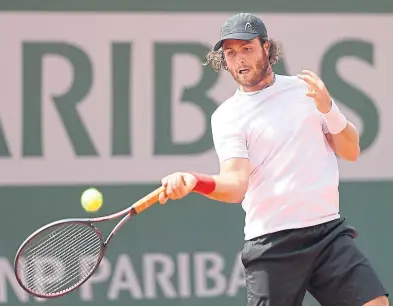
{"x":242,"y":26}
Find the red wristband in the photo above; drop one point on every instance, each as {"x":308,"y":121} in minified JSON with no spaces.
{"x":205,"y":184}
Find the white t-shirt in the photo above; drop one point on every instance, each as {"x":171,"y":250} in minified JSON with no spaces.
{"x":294,"y":178}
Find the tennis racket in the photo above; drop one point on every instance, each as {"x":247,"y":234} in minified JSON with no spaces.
{"x":59,"y":257}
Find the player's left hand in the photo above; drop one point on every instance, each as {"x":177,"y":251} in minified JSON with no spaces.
{"x":317,"y":90}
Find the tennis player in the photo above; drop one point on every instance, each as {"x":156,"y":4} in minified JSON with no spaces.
{"x":277,"y":139}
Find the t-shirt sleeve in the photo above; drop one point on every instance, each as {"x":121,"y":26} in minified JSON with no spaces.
{"x":229,"y":140}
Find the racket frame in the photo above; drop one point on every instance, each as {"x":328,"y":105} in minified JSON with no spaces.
{"x":126,"y":214}
{"x":87,"y":222}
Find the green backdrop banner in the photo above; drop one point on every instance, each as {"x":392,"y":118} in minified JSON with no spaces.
{"x":182,"y":253}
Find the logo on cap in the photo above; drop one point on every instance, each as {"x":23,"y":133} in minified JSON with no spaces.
{"x":248,"y":25}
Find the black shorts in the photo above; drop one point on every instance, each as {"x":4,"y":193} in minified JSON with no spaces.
{"x":322,"y":259}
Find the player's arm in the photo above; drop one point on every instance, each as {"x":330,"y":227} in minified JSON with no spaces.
{"x":230,"y":144}
{"x":346,"y":143}
{"x":341,"y":134}
{"x":230,"y":185}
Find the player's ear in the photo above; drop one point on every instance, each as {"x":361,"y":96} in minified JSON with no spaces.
{"x":266,"y":47}
{"x":224,"y":64}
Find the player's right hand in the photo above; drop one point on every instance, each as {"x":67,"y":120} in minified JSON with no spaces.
{"x":177,"y":186}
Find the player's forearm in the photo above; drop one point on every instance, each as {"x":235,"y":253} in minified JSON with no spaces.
{"x":346,"y":143}
{"x":228,"y":187}
{"x":343,"y":137}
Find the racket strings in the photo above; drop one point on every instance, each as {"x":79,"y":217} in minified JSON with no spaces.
{"x":75,"y":271}
{"x":59,"y":258}
{"x":56,"y":232}
{"x":32,"y":251}
{"x":63,"y":253}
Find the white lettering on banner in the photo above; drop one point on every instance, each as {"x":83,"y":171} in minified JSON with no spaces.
{"x":183,"y":269}
{"x":237,"y":278}
{"x":124,"y":278}
{"x":162,"y":275}
{"x":101,"y":275}
{"x":214,"y":272}
{"x":64,"y":155}
{"x":7,"y":277}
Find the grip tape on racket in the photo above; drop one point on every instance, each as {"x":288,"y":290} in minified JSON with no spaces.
{"x":146,"y":201}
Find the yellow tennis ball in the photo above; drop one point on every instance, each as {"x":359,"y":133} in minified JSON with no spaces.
{"x":91,"y":200}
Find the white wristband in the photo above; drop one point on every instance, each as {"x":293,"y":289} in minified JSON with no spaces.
{"x":335,"y":120}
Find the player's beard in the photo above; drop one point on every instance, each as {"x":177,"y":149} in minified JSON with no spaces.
{"x":255,"y":75}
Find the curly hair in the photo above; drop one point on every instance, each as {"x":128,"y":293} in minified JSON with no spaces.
{"x":216,"y":59}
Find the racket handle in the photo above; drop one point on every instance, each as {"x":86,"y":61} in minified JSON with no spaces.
{"x":146,"y":201}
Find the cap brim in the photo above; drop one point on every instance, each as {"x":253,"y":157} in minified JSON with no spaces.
{"x":240,"y":36}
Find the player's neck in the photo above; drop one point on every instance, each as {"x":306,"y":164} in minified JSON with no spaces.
{"x":266,"y":82}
